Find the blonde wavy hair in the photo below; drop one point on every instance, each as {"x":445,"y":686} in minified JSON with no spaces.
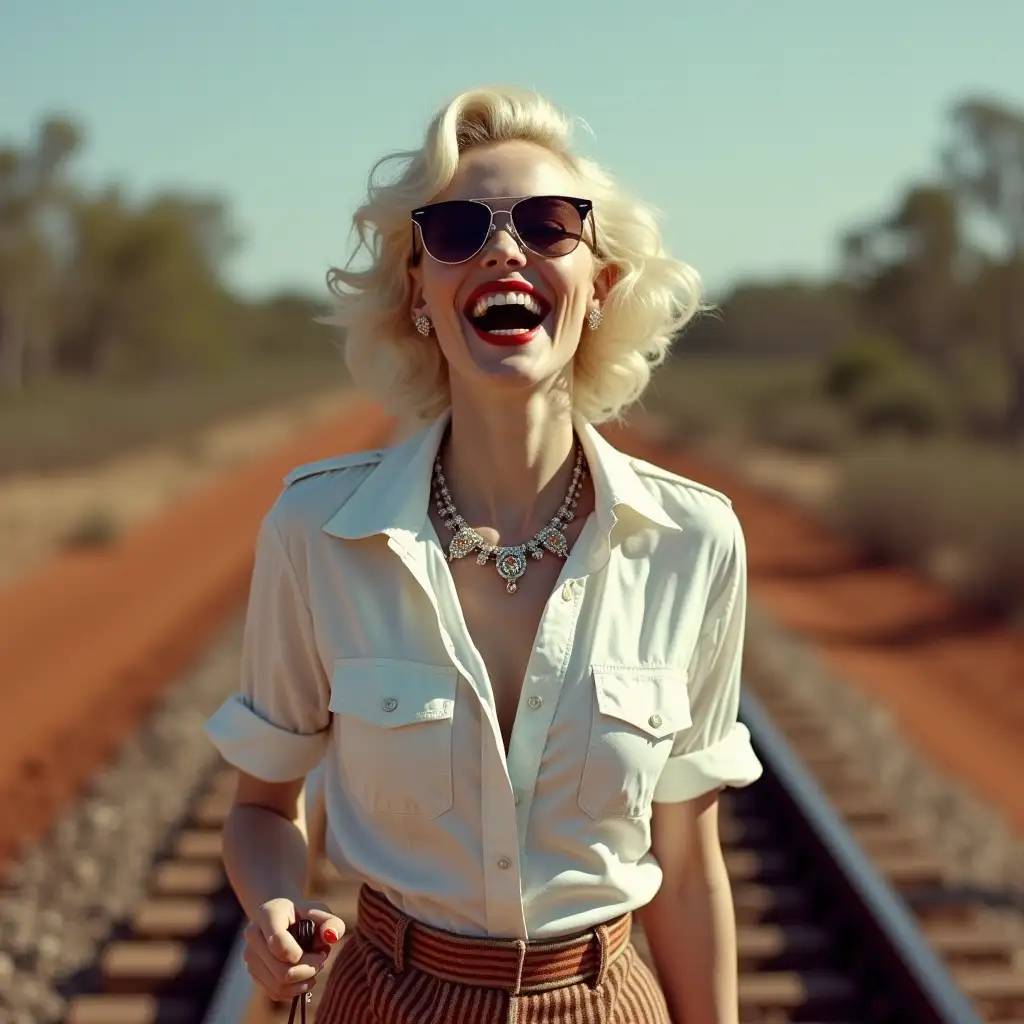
{"x":651,"y":299}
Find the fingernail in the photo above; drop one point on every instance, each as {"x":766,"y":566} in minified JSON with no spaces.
{"x":331,"y":936}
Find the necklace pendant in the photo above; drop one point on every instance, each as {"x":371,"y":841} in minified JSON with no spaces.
{"x":511,"y":565}
{"x":555,"y":541}
{"x":465,"y":541}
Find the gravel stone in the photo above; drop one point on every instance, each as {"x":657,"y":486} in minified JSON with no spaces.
{"x":69,"y":890}
{"x":977,"y":847}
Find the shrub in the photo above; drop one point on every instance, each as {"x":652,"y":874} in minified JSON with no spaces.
{"x":983,"y":390}
{"x":96,"y":529}
{"x":863,"y":361}
{"x":883,"y":503}
{"x":907,"y":502}
{"x":910,"y":401}
{"x":986,"y":517}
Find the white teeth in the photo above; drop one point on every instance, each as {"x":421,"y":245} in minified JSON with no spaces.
{"x":514,"y":330}
{"x":503,"y":299}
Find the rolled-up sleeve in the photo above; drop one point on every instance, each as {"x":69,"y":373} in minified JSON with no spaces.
{"x":716,"y":750}
{"x":276,"y":726}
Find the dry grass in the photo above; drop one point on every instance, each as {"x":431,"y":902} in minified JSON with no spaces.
{"x":951,"y":508}
{"x":90,"y":506}
{"x":68,"y":424}
{"x":703,"y":397}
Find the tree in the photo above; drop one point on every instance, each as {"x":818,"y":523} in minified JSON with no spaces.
{"x":144,"y":293}
{"x":95,"y":283}
{"x":985,"y":165}
{"x":33,"y":200}
{"x":909,"y":269}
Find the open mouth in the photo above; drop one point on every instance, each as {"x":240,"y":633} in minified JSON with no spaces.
{"x":506,"y":313}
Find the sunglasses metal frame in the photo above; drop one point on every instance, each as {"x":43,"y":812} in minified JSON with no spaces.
{"x":584,"y":207}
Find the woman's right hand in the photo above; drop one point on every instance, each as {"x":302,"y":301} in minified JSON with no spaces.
{"x":275,"y":960}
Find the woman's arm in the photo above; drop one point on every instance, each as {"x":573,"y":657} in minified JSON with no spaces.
{"x":274,"y":730}
{"x":691,"y":921}
{"x":690,"y":924}
{"x":264,"y":848}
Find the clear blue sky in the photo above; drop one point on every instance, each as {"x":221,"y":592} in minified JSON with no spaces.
{"x":760,"y":129}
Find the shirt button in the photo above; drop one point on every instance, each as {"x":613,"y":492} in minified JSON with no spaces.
{"x":504,"y":863}
{"x":389,"y":703}
{"x":518,"y":799}
{"x":535,"y":702}
{"x":655,"y":721}
{"x":567,"y":592}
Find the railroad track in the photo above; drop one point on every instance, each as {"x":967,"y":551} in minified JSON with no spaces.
{"x":823,"y":933}
{"x":843,"y":914}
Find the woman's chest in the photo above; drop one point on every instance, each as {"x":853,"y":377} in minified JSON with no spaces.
{"x":384,"y":601}
{"x":578,"y":689}
{"x":504,"y":624}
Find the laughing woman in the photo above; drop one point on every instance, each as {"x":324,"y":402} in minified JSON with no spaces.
{"x":513,"y":650}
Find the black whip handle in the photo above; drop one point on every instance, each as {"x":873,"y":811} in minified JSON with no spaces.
{"x":304,"y":933}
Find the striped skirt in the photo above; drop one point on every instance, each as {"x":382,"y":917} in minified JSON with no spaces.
{"x":394,"y":970}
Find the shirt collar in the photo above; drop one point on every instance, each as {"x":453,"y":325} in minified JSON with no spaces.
{"x":394,"y":498}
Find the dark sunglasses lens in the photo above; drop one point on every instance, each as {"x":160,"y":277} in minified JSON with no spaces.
{"x":548,"y":225}
{"x":454,"y":231}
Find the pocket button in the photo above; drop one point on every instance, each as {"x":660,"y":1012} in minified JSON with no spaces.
{"x":567,"y":592}
{"x":654,"y":721}
{"x":389,"y":703}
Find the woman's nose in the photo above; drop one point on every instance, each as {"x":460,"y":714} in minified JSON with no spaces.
{"x":502,"y":246}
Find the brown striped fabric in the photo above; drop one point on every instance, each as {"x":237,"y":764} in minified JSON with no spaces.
{"x":393,"y":970}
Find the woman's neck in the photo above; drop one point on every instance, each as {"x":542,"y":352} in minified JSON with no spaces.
{"x":509,"y":463}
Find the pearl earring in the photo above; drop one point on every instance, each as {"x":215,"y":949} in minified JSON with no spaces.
{"x":422,"y":324}
{"x":594,"y":318}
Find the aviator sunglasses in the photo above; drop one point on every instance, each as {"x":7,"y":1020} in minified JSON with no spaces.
{"x":454,"y":231}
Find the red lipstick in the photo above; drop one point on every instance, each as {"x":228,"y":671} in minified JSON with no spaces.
{"x":506,"y":285}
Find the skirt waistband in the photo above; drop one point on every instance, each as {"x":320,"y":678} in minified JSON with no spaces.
{"x":516,"y":966}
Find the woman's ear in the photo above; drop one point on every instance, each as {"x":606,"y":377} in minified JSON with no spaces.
{"x":417,"y":304}
{"x":604,"y":282}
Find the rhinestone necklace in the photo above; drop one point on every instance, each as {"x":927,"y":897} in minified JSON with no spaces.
{"x":509,"y":561}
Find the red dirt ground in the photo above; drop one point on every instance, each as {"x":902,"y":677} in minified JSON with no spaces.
{"x":89,"y":643}
{"x":96,"y":637}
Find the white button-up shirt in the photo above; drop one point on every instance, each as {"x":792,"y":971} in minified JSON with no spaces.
{"x":357,"y":661}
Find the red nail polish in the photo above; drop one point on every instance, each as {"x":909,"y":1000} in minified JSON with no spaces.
{"x":331,"y":936}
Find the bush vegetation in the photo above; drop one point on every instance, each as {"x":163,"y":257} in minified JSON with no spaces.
{"x":955,"y":501}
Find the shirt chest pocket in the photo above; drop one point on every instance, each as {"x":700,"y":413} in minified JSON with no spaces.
{"x":636,"y":714}
{"x":393,"y":721}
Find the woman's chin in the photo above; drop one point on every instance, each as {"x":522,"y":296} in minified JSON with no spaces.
{"x":521,"y":364}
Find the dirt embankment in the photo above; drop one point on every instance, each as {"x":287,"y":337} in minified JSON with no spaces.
{"x":89,"y":640}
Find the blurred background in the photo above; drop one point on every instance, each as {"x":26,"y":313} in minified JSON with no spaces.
{"x":176,"y":179}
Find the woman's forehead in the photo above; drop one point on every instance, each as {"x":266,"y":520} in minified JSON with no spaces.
{"x":509,"y":169}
